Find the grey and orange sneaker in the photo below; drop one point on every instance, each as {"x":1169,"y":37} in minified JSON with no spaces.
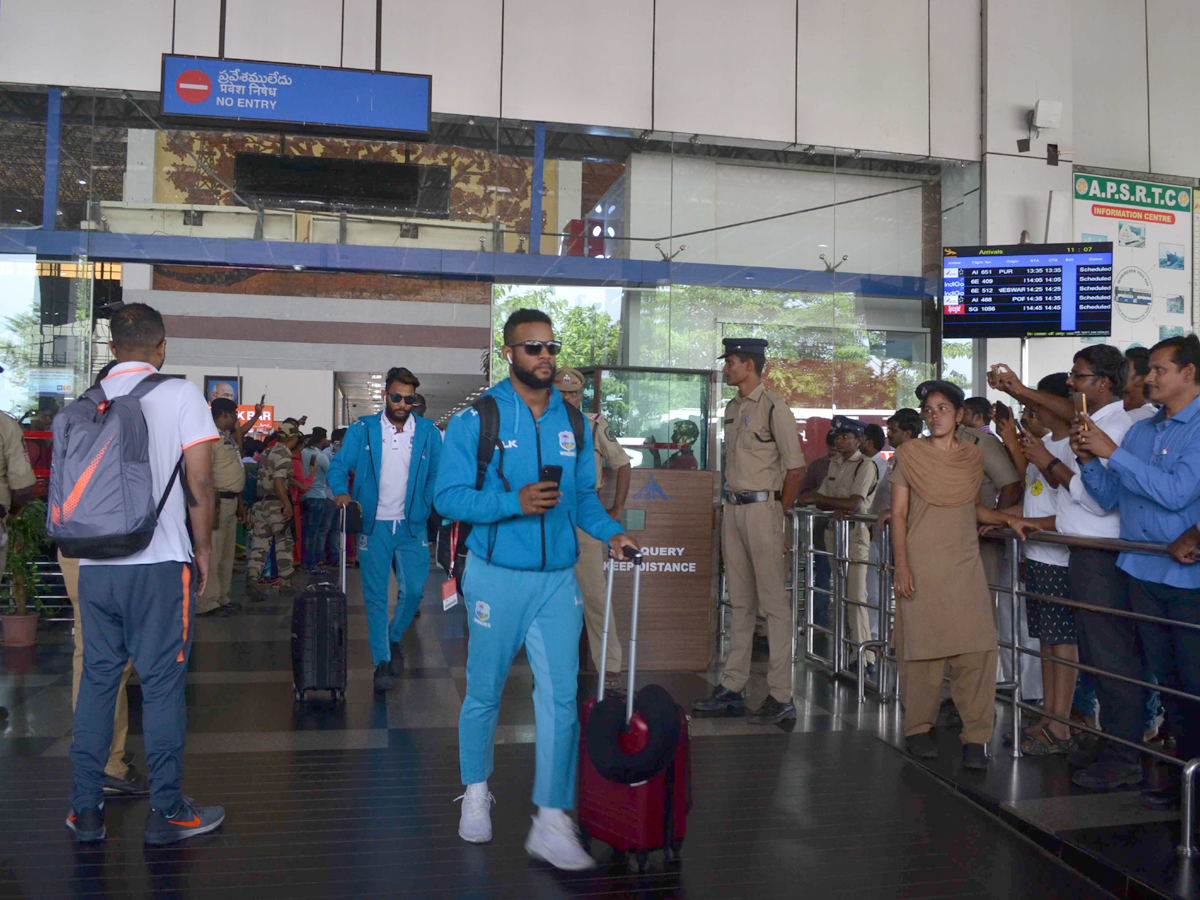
{"x":88,"y":824}
{"x":186,"y":822}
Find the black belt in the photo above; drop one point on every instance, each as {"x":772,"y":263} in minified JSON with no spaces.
{"x":740,"y":498}
{"x":229,"y":495}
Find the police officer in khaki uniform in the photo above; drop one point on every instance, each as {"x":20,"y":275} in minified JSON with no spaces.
{"x":764,"y":467}
{"x":229,"y":480}
{"x":272,"y":514}
{"x":589,"y":571}
{"x":16,"y":476}
{"x":849,"y":487}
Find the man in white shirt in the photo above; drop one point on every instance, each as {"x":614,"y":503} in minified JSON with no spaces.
{"x":394,"y":457}
{"x":1137,"y":403}
{"x":141,"y":606}
{"x":1106,"y":641}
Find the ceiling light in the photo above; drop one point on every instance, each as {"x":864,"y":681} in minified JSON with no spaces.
{"x":20,"y":210}
{"x":83,"y":181}
{"x":612,"y":232}
{"x":599,"y":208}
{"x":612,"y":209}
{"x":596,"y":231}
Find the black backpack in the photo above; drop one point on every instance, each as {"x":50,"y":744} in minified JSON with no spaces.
{"x":452,"y":536}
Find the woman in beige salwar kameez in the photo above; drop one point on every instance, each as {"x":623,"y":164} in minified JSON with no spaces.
{"x":944,"y":615}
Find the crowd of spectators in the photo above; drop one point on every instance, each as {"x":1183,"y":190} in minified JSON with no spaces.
{"x":1107,"y":451}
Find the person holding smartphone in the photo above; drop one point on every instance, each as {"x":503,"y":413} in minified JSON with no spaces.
{"x":394,"y":458}
{"x":519,"y":582}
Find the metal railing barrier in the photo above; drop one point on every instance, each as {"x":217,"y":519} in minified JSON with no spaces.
{"x":833,"y":652}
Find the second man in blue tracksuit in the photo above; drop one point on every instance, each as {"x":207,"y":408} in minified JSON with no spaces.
{"x":394,"y":459}
{"x":519,"y":583}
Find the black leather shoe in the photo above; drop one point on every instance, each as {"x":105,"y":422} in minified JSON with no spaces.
{"x":721,"y":700}
{"x":383,"y":678}
{"x":974,"y":756}
{"x":773,"y":711}
{"x":132,"y":785}
{"x":396,"y":667}
{"x":921,"y":745}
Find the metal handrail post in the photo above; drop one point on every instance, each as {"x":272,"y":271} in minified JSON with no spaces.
{"x":809,"y":577}
{"x":838,"y":582}
{"x":795,"y":594}
{"x":1187,"y":802}
{"x":1014,"y":587}
{"x":882,"y":663}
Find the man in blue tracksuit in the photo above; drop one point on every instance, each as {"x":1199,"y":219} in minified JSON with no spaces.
{"x":394,"y":459}
{"x":520,"y":584}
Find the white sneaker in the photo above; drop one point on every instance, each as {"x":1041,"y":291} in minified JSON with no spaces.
{"x":475,"y":824}
{"x":554,"y":838}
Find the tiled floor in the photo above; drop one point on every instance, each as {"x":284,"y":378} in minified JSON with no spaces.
{"x":357,"y":800}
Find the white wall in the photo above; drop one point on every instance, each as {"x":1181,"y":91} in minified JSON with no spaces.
{"x":877,"y":234}
{"x":292,"y":392}
{"x":849,"y":73}
{"x":1110,"y":77}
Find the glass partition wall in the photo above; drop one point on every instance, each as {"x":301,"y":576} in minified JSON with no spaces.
{"x":832,"y":254}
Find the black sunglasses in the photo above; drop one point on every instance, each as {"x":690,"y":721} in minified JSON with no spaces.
{"x":408,"y":399}
{"x":534,"y":348}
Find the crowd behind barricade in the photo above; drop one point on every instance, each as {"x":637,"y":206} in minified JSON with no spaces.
{"x":1108,"y":450}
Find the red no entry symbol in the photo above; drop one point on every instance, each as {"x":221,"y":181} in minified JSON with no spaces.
{"x":193,"y":86}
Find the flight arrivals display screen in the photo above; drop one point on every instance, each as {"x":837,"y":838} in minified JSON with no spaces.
{"x":1027,"y":290}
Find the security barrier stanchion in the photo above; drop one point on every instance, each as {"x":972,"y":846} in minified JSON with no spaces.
{"x":795,"y":595}
{"x":1015,"y":595}
{"x":809,"y":577}
{"x":1187,"y":810}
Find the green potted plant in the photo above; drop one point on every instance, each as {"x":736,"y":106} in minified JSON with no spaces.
{"x":26,"y":544}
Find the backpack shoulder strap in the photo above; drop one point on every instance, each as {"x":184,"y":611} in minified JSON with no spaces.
{"x":489,"y":436}
{"x":578,"y":424}
{"x":147,"y":384}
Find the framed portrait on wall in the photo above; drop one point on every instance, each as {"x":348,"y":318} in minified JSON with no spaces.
{"x":227,"y":386}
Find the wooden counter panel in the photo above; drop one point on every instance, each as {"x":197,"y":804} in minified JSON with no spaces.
{"x":677,"y":607}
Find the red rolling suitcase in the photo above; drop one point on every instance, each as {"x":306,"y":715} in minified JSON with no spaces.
{"x":648,"y":815}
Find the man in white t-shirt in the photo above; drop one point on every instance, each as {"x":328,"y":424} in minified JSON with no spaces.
{"x":1046,"y":437}
{"x":1136,"y":402}
{"x":1106,"y":641}
{"x":141,"y":606}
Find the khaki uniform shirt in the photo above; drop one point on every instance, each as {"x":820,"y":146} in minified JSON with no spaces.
{"x":15,"y":471}
{"x":606,"y":447}
{"x":857,"y":476}
{"x":761,"y":442}
{"x":998,"y":469}
{"x":274,"y":463}
{"x":227,"y":470}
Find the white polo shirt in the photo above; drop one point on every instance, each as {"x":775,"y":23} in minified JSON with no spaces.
{"x":393,"y":471}
{"x":1041,"y":500}
{"x":176,"y":418}
{"x":1077,"y":512}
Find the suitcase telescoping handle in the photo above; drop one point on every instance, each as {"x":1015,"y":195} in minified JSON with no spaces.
{"x":637,"y":590}
{"x":342,"y":550}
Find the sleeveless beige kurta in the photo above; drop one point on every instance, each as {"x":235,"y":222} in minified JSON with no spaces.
{"x":951,"y":609}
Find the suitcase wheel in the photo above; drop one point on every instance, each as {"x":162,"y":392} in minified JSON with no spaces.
{"x":337,"y":695}
{"x":299,"y":694}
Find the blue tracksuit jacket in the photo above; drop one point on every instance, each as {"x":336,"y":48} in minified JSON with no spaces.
{"x":502,"y":534}
{"x":362,"y":453}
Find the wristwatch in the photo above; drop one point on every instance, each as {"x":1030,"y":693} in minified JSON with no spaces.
{"x":1054,"y":462}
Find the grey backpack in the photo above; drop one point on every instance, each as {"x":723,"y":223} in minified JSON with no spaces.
{"x":101,"y":502}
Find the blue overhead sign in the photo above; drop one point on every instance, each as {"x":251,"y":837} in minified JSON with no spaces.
{"x":309,"y":97}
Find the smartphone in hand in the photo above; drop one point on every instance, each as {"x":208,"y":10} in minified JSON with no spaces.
{"x":1080,"y":401}
{"x":551,"y":473}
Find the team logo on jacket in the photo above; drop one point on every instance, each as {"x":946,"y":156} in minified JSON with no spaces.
{"x":566,"y":440}
{"x":482,"y":613}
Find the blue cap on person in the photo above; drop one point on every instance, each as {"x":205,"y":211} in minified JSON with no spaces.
{"x":847,"y":425}
{"x":743,"y":345}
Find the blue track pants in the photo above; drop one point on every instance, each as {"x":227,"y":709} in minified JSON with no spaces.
{"x":390,"y":547}
{"x":544,"y":611}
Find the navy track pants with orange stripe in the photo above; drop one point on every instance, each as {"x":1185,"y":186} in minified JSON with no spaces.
{"x":143,"y":613}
